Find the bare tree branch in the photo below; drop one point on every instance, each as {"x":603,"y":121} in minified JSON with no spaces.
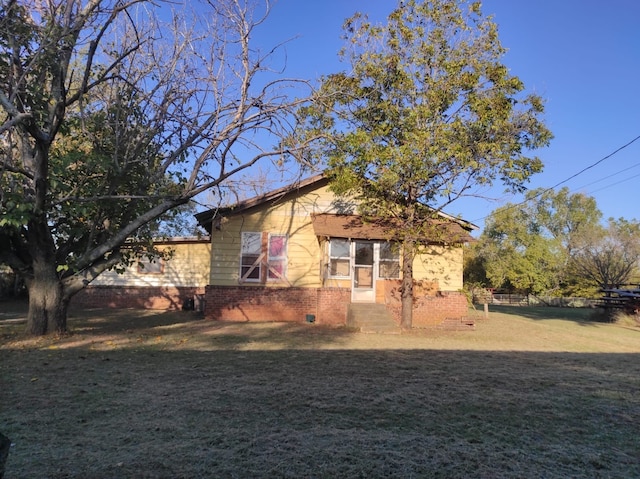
{"x":113,"y":117}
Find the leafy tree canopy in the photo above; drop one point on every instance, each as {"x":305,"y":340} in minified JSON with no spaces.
{"x":426,"y":110}
{"x":529,"y":246}
{"x":426,"y":113}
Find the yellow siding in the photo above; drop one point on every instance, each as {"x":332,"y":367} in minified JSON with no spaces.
{"x":292,"y":218}
{"x":440,"y":264}
{"x":305,"y":252}
{"x":189,"y":266}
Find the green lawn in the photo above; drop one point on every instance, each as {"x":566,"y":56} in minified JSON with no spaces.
{"x":533,"y":392}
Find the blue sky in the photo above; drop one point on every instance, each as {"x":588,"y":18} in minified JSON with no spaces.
{"x":582,"y":56}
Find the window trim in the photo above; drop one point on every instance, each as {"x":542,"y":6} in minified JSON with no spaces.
{"x":149,"y":267}
{"x":348,"y":257}
{"x":382,"y":260}
{"x":280,"y":277}
{"x":264,"y":263}
{"x":256,"y":264}
{"x":379,"y":260}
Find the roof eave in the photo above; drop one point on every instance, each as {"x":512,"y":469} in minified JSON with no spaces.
{"x":205,"y":218}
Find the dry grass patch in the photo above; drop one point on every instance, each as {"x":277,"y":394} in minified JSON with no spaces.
{"x":159,"y":395}
{"x":628,"y":320}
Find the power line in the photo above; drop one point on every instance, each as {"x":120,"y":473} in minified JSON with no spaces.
{"x":610,"y":176}
{"x":569,"y":178}
{"x":614,"y":184}
{"x":595,"y":164}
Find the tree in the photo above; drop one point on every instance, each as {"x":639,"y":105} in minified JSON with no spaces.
{"x":528,"y":246}
{"x":608,"y":257}
{"x":564,"y":216}
{"x":110,"y":119}
{"x":426,"y":114}
{"x":515,"y":253}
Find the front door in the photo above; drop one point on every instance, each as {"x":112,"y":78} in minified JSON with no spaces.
{"x":363,"y":284}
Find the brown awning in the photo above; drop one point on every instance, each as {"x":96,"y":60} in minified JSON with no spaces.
{"x":347,"y":226}
{"x":353,"y":227}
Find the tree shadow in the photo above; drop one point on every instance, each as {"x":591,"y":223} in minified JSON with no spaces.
{"x":113,"y":321}
{"x":156,"y":330}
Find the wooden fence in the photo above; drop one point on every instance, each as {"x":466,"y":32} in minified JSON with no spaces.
{"x":530,"y":300}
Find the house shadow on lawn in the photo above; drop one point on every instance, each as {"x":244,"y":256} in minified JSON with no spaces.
{"x":345,"y":413}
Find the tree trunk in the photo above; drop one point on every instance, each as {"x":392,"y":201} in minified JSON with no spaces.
{"x":408,"y":253}
{"x":48,"y":301}
{"x":47,"y":306}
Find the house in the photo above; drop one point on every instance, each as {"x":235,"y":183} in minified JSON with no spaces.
{"x":173,"y":283}
{"x":300,"y":253}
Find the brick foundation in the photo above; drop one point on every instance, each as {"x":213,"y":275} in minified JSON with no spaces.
{"x":141,"y":297}
{"x":326,"y":306}
{"x":434,"y":311}
{"x":431,"y":307}
{"x":333,"y":304}
{"x":257,"y":303}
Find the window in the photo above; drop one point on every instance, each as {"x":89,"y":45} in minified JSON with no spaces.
{"x":389,"y":266}
{"x":339,"y":258}
{"x":147,"y":266}
{"x":251,"y":257}
{"x":263,"y":257}
{"x":277,"y":257}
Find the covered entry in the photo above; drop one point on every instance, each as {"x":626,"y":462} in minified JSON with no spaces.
{"x":360,"y":265}
{"x":357,"y":255}
{"x":363,"y":286}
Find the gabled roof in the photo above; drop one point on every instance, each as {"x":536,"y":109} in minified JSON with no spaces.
{"x":205,"y":219}
{"x":457,"y":229}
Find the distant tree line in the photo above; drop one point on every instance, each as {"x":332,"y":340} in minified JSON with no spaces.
{"x":554,"y":243}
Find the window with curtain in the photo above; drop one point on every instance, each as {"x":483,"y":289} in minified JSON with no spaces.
{"x":277,"y":257}
{"x":263,"y":257}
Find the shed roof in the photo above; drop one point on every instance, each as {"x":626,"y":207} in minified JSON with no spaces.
{"x":354,"y":227}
